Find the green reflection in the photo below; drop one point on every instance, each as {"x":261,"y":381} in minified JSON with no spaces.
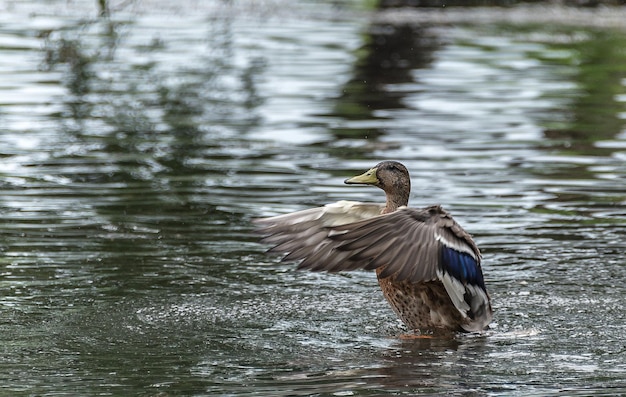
{"x":597,"y":113}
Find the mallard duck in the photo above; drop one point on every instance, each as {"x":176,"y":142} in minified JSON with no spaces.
{"x":427,"y":266}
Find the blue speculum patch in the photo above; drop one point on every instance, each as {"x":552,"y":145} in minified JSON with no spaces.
{"x":462,"y":266}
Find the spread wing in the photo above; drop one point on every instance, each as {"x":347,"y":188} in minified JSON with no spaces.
{"x":411,"y":244}
{"x":304,"y":235}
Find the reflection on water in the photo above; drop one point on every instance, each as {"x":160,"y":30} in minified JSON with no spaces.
{"x":136,"y":149}
{"x":388,"y":58}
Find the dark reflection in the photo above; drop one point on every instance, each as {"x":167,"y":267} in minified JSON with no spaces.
{"x":390,"y":55}
{"x":70,"y":52}
{"x":150,"y":140}
{"x":150,"y":135}
{"x":104,"y":8}
{"x":80,"y":60}
{"x":596,"y":112}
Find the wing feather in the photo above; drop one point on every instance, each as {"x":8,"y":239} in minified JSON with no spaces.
{"x":408,"y":244}
{"x":306,"y":235}
{"x":351,"y":235}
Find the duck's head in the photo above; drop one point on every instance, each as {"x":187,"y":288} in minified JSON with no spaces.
{"x":390,"y":176}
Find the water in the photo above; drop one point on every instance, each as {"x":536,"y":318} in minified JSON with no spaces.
{"x":134,"y":152}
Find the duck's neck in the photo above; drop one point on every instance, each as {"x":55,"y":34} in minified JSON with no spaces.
{"x":395,"y":200}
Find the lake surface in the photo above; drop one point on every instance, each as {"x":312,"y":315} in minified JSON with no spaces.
{"x":135,"y":150}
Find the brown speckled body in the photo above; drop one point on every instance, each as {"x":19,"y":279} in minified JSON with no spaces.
{"x":423,"y":306}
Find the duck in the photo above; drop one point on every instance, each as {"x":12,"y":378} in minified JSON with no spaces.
{"x":428,"y":267}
